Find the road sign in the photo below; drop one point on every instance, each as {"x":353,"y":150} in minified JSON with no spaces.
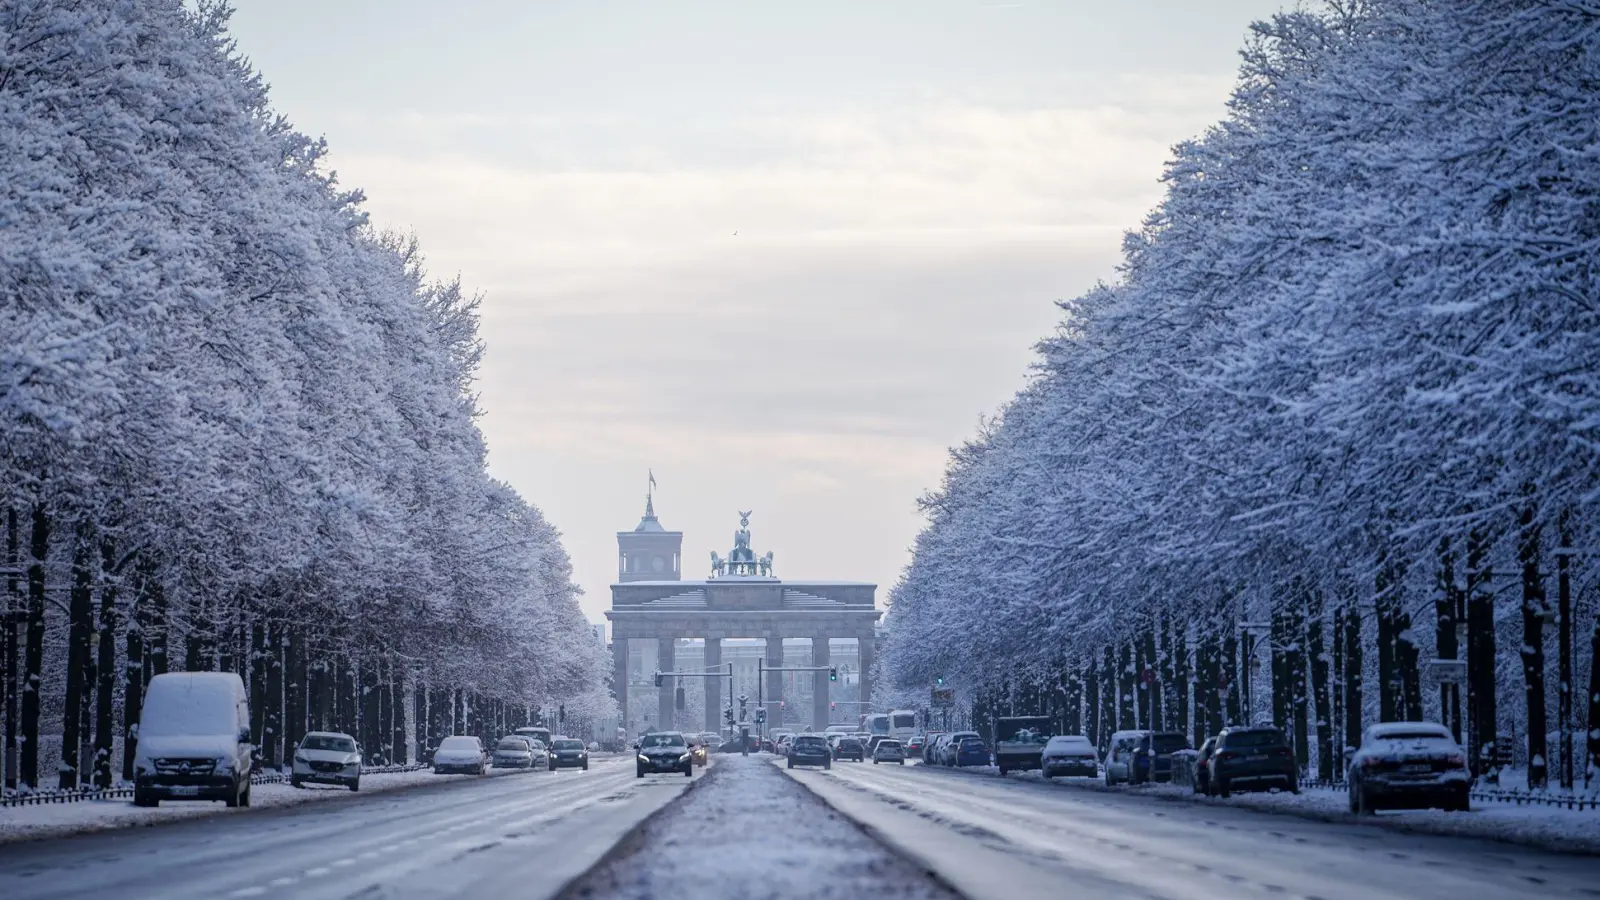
{"x":944,"y":697}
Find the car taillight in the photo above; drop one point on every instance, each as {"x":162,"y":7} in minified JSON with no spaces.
{"x":1226,"y":754}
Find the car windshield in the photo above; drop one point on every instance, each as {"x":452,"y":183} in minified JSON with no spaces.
{"x":1070,"y":743}
{"x":888,"y":745}
{"x":328,"y":742}
{"x":569,"y":745}
{"x":459,"y":744}
{"x":851,"y":743}
{"x":971,"y":743}
{"x":812,"y":742}
{"x":516,"y":744}
{"x":662,"y":740}
{"x":1261,"y":737}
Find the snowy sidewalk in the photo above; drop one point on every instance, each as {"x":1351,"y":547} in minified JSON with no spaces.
{"x":52,"y":820}
{"x":746,"y":830}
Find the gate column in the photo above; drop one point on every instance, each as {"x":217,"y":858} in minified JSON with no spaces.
{"x":667,"y":696}
{"x":713,"y":685}
{"x":820,"y":685}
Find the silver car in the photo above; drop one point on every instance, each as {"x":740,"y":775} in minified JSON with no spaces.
{"x":327,"y":757}
{"x":513,"y":753}
{"x":889,"y":750}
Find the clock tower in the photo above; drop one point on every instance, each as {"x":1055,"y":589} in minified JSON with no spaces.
{"x":649,"y":552}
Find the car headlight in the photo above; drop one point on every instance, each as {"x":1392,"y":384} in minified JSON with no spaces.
{"x":299,"y":757}
{"x":643,"y":758}
{"x":683,"y":757}
{"x":224,"y":764}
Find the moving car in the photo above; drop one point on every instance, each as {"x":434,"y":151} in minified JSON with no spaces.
{"x":664,"y":751}
{"x":327,"y":757}
{"x":889,"y":750}
{"x":568,"y":753}
{"x":1152,"y":757}
{"x":698,"y":754}
{"x":194,"y":740}
{"x":1069,"y":755}
{"x":460,"y":754}
{"x":511,"y":753}
{"x":1119,"y":759}
{"x":809,"y":750}
{"x":849,"y":748}
{"x":1409,"y":765}
{"x":1257,"y":757}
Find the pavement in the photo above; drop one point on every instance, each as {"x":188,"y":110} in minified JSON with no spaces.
{"x":1006,"y":838}
{"x":524,"y":835}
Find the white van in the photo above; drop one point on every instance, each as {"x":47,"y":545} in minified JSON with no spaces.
{"x":194,"y":740}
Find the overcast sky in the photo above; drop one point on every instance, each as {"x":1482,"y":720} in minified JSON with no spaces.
{"x":913,"y":184}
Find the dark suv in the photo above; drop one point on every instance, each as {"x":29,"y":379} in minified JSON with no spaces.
{"x":1258,"y":757}
{"x":1152,"y":757}
{"x":849,"y":748}
{"x":664,"y":751}
{"x":810,"y":750}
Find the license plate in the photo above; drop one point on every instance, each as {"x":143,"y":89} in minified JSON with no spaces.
{"x":1416,"y":769}
{"x":1256,"y":757}
{"x":184,"y":790}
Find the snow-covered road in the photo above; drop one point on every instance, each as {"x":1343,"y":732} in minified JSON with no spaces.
{"x":522,"y":835}
{"x":995,"y":838}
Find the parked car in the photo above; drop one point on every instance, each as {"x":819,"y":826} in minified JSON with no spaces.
{"x":809,"y":750}
{"x":1119,"y":758}
{"x":930,"y":748}
{"x":194,"y":740}
{"x":1019,"y":742}
{"x":664,"y":751}
{"x":1202,"y":766}
{"x":914,"y":746}
{"x":780,"y":741}
{"x":542,"y":735}
{"x":513,"y":753}
{"x":849,"y":748}
{"x":950,"y":743}
{"x":1152,"y":757}
{"x":1409,"y":765}
{"x":568,"y":753}
{"x":889,"y":750}
{"x":327,"y":757}
{"x":460,"y":754}
{"x":1069,"y":754}
{"x":1256,"y":757}
{"x":970,"y":751}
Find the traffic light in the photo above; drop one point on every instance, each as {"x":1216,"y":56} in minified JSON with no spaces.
{"x":833,"y":673}
{"x":658,"y":679}
{"x":832,"y":705}
{"x":939,"y":681}
{"x":783,"y":704}
{"x":727,"y":715}
{"x":761,"y":717}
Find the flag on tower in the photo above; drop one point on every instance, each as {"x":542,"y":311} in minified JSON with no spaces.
{"x":652,"y":478}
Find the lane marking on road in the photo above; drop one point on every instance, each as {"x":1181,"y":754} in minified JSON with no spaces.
{"x":319,"y":870}
{"x":282,"y":882}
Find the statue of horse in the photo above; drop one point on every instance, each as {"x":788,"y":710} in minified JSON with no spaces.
{"x":718,"y":565}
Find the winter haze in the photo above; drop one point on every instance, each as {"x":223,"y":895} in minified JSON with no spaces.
{"x":912,"y":185}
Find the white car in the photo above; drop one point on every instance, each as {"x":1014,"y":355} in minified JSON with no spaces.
{"x":1409,"y":765}
{"x":512,"y":753}
{"x":461,"y":754}
{"x":889,"y":750}
{"x":1069,"y":754}
{"x":327,"y":757}
{"x":1119,"y":759}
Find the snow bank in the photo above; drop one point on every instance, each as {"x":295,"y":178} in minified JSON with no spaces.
{"x":1551,"y":828}
{"x":51,"y":820}
{"x":746,"y":828}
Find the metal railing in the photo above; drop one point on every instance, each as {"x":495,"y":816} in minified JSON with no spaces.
{"x":1491,"y":795}
{"x":125,"y":791}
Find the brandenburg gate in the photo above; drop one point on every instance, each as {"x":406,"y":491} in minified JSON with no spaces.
{"x":740,"y":598}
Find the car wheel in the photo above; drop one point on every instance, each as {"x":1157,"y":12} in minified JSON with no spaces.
{"x":900,"y":762}
{"x":688,"y":771}
{"x":145,"y":800}
{"x":791,"y":763}
{"x":1223,"y":788}
{"x":1463,"y":803}
{"x":1364,"y":804}
{"x":639,"y":772}
{"x":585,"y":767}
{"x":827,"y":765}
{"x":1002,"y":771}
{"x":232,"y":800}
{"x":1355,"y":805}
{"x":296,"y":783}
{"x":355,"y":785}
{"x":1294,"y":785}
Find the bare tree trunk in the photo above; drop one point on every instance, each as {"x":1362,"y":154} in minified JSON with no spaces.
{"x":294,"y":728}
{"x":1390,"y":684}
{"x":1108,"y":695}
{"x":1336,"y":701}
{"x":1091,"y":711}
{"x":1564,"y":647}
{"x":1533,"y":607}
{"x":272,"y":753}
{"x":1591,"y":770}
{"x":1446,"y":601}
{"x":106,"y":667}
{"x":33,"y":657}
{"x":1125,"y":689}
{"x":1180,"y":678}
{"x":133,"y":671}
{"x":1236,"y":674}
{"x":1353,"y":680}
{"x":10,"y":644}
{"x":80,"y":625}
{"x":257,"y":670}
{"x":1320,"y":694}
{"x":1482,"y":658}
{"x":397,"y":708}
